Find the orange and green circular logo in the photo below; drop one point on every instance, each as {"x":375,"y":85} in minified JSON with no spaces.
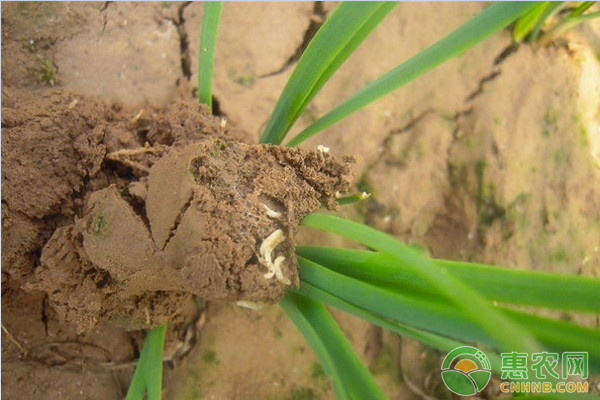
{"x":466,"y":371}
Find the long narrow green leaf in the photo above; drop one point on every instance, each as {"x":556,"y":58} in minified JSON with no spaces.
{"x":439,"y":318}
{"x":148,"y":373}
{"x":352,"y":380}
{"x":561,"y":335}
{"x":476,"y":308}
{"x":431,"y":339}
{"x":421,"y":312}
{"x":583,"y":7}
{"x":505,"y":285}
{"x":339,"y":36}
{"x":137,"y":387}
{"x":300,"y":312}
{"x":494,"y":18}
{"x":208,"y":48}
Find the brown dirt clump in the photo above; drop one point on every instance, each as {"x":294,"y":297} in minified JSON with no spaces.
{"x":53,"y":156}
{"x":135,"y":232}
{"x":50,"y":147}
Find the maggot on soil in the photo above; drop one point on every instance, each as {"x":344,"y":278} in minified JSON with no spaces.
{"x":152,"y":211}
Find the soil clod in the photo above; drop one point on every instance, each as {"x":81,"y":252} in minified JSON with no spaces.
{"x":211,"y":217}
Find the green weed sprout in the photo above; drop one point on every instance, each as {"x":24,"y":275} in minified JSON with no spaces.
{"x":443,"y":304}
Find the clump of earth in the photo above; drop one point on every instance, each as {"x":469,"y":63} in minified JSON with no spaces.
{"x":137,"y":216}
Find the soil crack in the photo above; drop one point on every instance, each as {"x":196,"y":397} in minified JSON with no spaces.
{"x":500,"y":58}
{"x":104,"y":17}
{"x":456,"y":119}
{"x":507,"y":52}
{"x":317,"y":19}
{"x":44,"y":316}
{"x":184,"y":42}
{"x":482,"y":82}
{"x":398,"y":131}
{"x":178,"y":219}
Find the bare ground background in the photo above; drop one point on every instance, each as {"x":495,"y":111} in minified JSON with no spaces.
{"x":485,"y":159}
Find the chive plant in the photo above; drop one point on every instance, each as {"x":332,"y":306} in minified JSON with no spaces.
{"x":444,"y":304}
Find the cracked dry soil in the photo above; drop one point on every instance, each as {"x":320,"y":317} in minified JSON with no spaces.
{"x":213,"y":217}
